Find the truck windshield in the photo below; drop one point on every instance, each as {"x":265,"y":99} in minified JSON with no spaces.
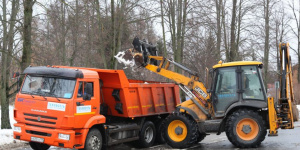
{"x":49,"y":86}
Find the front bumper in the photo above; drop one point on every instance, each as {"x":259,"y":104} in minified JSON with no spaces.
{"x":50,"y":136}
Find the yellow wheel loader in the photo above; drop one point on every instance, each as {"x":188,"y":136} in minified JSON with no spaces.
{"x":236,"y":102}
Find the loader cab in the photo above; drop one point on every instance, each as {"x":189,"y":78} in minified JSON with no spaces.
{"x":237,"y":84}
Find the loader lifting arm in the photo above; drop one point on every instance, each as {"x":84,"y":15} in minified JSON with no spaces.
{"x":145,"y":54}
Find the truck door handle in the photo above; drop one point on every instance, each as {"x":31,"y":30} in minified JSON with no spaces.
{"x":94,"y":107}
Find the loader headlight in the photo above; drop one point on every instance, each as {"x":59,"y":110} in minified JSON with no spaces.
{"x":17,"y":129}
{"x":64,"y":136}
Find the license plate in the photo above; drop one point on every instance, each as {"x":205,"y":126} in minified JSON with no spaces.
{"x":36,"y":139}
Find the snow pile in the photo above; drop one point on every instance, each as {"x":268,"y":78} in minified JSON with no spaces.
{"x":124,"y":57}
{"x":298,"y":106}
{"x":6,"y":135}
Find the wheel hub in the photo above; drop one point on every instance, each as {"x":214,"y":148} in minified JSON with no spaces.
{"x":178,"y":130}
{"x":148,"y":135}
{"x":246,"y":129}
{"x":95,"y":143}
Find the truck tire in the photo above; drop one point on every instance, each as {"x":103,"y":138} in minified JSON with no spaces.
{"x":147,"y":135}
{"x":295,"y":112}
{"x":93,"y":140}
{"x":159,"y":137}
{"x":245,"y":128}
{"x":39,"y":146}
{"x":180,"y":130}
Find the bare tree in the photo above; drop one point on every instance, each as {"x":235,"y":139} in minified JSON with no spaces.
{"x":7,"y":52}
{"x":296,"y":33}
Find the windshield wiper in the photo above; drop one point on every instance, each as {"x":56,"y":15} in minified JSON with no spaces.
{"x":40,"y":94}
{"x":28,"y":93}
{"x":54,"y":95}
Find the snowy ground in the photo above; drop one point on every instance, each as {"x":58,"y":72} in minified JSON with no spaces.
{"x":6,"y":135}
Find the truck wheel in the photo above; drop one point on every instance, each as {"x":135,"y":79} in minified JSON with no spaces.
{"x":39,"y":146}
{"x":147,"y":135}
{"x":180,"y":130}
{"x":295,"y":112}
{"x":93,"y":140}
{"x":245,"y":128}
{"x":159,"y":137}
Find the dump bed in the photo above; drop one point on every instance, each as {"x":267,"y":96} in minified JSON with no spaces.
{"x":135,"y":98}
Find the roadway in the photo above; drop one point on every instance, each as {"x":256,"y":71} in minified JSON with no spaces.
{"x":287,"y":139}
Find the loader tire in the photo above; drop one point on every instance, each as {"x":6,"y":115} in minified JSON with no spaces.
{"x":245,"y":128}
{"x":180,"y":130}
{"x":201,"y":137}
{"x":295,"y":113}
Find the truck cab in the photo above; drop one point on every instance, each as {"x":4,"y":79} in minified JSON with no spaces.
{"x":51,"y":100}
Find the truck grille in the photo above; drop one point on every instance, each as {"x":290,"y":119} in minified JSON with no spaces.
{"x":40,"y":119}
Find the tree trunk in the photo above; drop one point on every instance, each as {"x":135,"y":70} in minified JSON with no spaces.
{"x":63,"y":32}
{"x":218,"y":11}
{"x":119,"y":30}
{"x":266,"y":52}
{"x":183,"y":27}
{"x":298,"y":75}
{"x":163,"y":28}
{"x":113,"y":31}
{"x":101,"y":49}
{"x":239,"y":31}
{"x":225,"y":36}
{"x":27,"y":51}
{"x":178,"y":54}
{"x":233,"y":53}
{"x":75,"y":35}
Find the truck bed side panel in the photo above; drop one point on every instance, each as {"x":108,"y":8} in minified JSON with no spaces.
{"x":137,"y":98}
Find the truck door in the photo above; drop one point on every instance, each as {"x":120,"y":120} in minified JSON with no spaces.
{"x":225,"y":90}
{"x":84,"y":109}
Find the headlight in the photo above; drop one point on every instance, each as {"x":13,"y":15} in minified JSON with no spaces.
{"x":64,"y":136}
{"x":17,"y":129}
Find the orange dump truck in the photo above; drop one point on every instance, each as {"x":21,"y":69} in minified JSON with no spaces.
{"x":88,"y":108}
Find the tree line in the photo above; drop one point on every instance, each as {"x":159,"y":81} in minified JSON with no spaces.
{"x":196,"y":33}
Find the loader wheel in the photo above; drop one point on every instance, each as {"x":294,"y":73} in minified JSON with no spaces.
{"x":201,"y":137}
{"x":93,"y":140}
{"x":39,"y":146}
{"x":245,"y":128}
{"x":147,"y":135}
{"x":180,"y":130}
{"x":295,"y":112}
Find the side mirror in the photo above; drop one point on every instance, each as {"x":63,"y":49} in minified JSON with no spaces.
{"x":88,"y":91}
{"x":16,"y":75}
